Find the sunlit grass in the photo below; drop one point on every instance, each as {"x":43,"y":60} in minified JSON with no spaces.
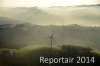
{"x":30,"y":48}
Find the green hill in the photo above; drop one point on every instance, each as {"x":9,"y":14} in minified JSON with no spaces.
{"x":28,"y":56}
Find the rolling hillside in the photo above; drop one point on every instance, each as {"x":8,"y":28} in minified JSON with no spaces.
{"x":27,"y":34}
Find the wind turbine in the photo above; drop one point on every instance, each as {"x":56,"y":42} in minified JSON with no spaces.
{"x":51,"y":39}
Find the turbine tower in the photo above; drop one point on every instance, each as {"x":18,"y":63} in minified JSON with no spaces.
{"x":51,"y":39}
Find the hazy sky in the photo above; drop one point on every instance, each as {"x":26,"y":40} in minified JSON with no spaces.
{"x":0,"y":2}
{"x":45,"y":3}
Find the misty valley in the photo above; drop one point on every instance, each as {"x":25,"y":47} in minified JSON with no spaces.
{"x":28,"y":33}
{"x":21,"y":35}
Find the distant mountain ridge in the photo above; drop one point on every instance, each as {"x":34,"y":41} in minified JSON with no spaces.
{"x":82,"y":14}
{"x":74,"y":6}
{"x":32,"y":15}
{"x":88,"y":5}
{"x":5,"y":20}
